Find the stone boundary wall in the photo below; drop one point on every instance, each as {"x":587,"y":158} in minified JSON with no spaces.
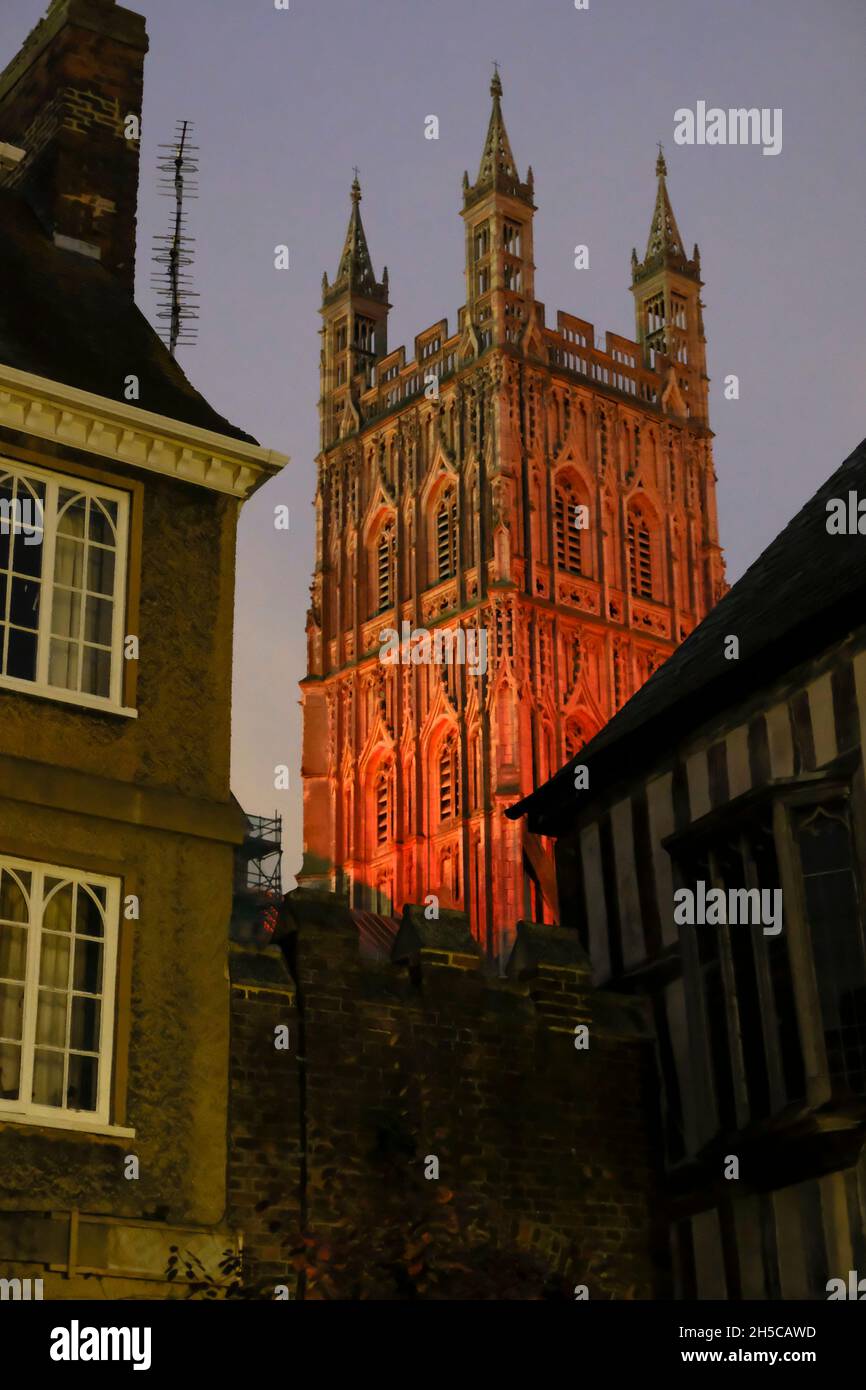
{"x":421,"y":1093}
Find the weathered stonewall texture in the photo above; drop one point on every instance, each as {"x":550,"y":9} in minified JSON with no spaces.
{"x":547,"y":1146}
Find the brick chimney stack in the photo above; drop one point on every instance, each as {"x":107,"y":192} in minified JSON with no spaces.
{"x":65,"y":99}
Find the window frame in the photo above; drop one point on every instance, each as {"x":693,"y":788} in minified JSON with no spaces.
{"x":445,"y":534}
{"x":54,"y":482}
{"x":640,"y":557}
{"x":386,"y":567}
{"x":567,"y":539}
{"x":448,"y":761}
{"x":383,"y":807}
{"x":782,"y":796}
{"x":830,"y":784}
{"x":26,"y":1111}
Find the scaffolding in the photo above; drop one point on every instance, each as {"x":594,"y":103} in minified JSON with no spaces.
{"x":258,"y":892}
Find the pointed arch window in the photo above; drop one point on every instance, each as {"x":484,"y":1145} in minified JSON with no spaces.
{"x":446,"y":535}
{"x":365,"y":334}
{"x":655,"y":314}
{"x":639,"y":548}
{"x":511,"y":238}
{"x":386,"y":568}
{"x":383,"y":804}
{"x":449,"y":779}
{"x":566,"y":533}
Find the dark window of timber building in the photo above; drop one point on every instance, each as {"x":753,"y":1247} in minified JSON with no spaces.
{"x":684,"y":1256}
{"x":712,"y":990}
{"x":746,"y":982}
{"x":823,"y":835}
{"x":572,"y":890}
{"x":743,"y":945}
{"x":673,"y":1100}
{"x":717,"y":1025}
{"x":763,"y":849}
{"x":846,"y":712}
{"x":611,"y":902}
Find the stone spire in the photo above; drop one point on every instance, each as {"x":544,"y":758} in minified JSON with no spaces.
{"x":664,"y":245}
{"x":355,"y":271}
{"x":497,"y":171}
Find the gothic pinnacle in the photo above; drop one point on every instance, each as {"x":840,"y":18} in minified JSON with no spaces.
{"x":355,"y":270}
{"x":664,"y":237}
{"x":498,"y":169}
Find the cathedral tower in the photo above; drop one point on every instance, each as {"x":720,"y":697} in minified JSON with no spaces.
{"x":514,"y":528}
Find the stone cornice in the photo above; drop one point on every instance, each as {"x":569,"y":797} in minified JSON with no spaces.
{"x":126,"y":434}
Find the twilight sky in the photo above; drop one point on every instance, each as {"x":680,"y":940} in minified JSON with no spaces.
{"x":285,"y":103}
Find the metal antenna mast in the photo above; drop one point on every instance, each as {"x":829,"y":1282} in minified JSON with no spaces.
{"x":174,"y":251}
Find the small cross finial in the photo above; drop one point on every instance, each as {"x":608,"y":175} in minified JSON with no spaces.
{"x":496,"y":84}
{"x":356,"y":187}
{"x":356,"y":171}
{"x":661,"y":167}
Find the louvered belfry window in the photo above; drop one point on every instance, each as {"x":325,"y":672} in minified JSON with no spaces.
{"x":449,"y":780}
{"x":640,"y":570}
{"x":385,"y":568}
{"x":567,"y":534}
{"x":383,"y":807}
{"x":446,"y":535}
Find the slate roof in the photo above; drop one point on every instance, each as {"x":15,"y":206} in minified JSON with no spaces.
{"x":806,"y":590}
{"x":65,"y":317}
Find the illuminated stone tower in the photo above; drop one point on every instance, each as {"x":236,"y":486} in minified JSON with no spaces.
{"x":515,"y":480}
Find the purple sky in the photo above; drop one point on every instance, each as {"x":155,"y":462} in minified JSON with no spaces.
{"x":284,"y":103}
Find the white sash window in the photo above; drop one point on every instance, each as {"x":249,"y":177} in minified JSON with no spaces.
{"x":63,"y":549}
{"x":58,"y":955}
